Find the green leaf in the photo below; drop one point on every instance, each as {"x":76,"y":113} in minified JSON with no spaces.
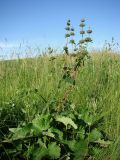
{"x":57,"y":132}
{"x":103,"y":143}
{"x":41,"y":123}
{"x":94,"y":135}
{"x":49,"y":134}
{"x":79,"y":148}
{"x":41,"y":143}
{"x":39,"y":153}
{"x":86,"y":116}
{"x":66,"y":121}
{"x":71,"y":144}
{"x":69,"y":79}
{"x":54,"y":150}
{"x":19,"y":133}
{"x":81,"y":132}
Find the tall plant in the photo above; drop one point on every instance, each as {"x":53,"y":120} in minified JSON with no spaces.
{"x":61,"y":131}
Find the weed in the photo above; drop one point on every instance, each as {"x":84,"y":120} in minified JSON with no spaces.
{"x":65,"y":107}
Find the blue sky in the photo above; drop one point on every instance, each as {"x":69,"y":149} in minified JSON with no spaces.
{"x":42,"y":22}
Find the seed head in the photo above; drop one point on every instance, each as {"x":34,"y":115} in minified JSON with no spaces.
{"x":68,"y":23}
{"x":72,"y":41}
{"x":67,"y":35}
{"x":82,"y":20}
{"x":72,"y":29}
{"x":72,"y":33}
{"x":82,"y":32}
{"x":67,"y":28}
{"x":66,"y":50}
{"x":81,"y":41}
{"x":88,"y":39}
{"x":89,"y":31}
{"x":82,"y":25}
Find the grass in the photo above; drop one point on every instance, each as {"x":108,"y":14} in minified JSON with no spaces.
{"x":98,"y":88}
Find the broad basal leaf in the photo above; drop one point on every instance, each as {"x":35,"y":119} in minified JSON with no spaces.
{"x":19,"y":133}
{"x":66,"y":121}
{"x":57,"y":133}
{"x":41,"y":123}
{"x":94,"y":135}
{"x":42,"y":152}
{"x":49,"y":134}
{"x":103,"y":143}
{"x":79,"y":148}
{"x":39,"y":153}
{"x":54,"y":150}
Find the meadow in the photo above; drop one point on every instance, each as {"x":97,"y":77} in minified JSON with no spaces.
{"x":61,"y":106}
{"x":30,"y":88}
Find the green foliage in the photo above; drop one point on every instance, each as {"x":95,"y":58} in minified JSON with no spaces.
{"x":41,"y":123}
{"x":66,"y":121}
{"x":46,"y":137}
{"x":51,"y":152}
{"x":71,"y":121}
{"x":86,"y":104}
{"x":60,"y":130}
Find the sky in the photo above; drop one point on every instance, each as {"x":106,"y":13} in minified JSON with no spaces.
{"x":41,"y":23}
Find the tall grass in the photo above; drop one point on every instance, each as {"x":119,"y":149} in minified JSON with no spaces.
{"x":98,"y":88}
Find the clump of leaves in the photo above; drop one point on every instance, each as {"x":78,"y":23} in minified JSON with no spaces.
{"x":55,"y":135}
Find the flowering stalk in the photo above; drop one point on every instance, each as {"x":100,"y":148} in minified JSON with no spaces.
{"x":88,"y":39}
{"x":72,"y":34}
{"x":82,"y":32}
{"x":67,"y":35}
